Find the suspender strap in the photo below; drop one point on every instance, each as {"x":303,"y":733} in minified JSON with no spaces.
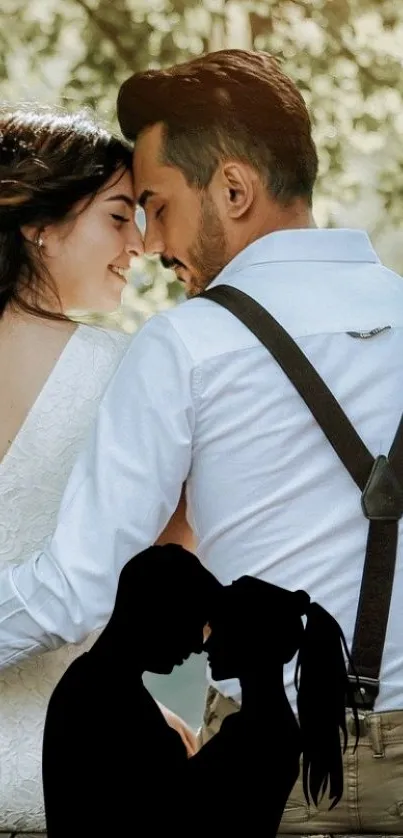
{"x":380,"y":481}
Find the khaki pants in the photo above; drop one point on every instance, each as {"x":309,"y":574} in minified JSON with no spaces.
{"x":373,"y":777}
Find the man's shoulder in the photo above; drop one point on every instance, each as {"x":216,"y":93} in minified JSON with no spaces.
{"x":206,"y":329}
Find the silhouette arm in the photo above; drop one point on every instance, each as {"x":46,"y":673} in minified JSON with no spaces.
{"x":252,"y":763}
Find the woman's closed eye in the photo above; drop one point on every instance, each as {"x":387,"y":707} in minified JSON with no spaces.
{"x":121,"y":218}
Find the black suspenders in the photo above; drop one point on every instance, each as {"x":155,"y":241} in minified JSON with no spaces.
{"x":379,"y":479}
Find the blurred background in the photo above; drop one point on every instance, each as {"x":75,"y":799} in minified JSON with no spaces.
{"x":345,"y":55}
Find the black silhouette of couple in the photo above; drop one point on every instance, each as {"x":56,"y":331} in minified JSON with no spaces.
{"x":111,"y":763}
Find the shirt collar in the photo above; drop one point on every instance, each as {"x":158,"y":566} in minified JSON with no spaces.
{"x":307,"y":245}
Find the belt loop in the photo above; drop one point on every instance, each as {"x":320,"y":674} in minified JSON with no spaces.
{"x":375,"y":734}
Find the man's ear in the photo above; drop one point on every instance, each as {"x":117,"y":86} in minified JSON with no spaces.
{"x":239,"y":182}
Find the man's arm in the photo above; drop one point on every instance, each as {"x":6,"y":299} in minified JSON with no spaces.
{"x":121,"y":494}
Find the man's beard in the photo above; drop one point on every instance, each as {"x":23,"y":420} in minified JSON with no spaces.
{"x":208,"y":256}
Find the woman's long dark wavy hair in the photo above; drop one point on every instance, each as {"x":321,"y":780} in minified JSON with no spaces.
{"x":49,"y":161}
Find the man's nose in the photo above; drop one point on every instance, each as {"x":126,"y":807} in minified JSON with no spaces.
{"x":153,"y":243}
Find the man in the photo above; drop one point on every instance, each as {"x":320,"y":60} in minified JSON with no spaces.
{"x":225,"y":168}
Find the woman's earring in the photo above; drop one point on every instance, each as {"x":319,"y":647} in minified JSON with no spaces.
{"x":39,"y":241}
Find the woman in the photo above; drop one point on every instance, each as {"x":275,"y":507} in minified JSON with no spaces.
{"x":110,"y":762}
{"x":67,"y":235}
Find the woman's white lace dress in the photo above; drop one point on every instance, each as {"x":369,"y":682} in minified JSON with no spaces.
{"x":33,"y":475}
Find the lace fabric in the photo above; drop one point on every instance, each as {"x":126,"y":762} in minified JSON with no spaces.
{"x":33,"y":475}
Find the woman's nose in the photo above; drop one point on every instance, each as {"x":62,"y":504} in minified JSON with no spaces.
{"x":135,"y":244}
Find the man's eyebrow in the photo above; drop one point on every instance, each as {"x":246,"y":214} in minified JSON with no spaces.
{"x":148,"y":193}
{"x":125,"y":198}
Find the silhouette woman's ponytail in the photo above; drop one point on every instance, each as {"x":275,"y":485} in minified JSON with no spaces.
{"x":322,"y":687}
{"x":265,"y":628}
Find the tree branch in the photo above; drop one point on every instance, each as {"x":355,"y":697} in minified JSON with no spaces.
{"x":343,"y":48}
{"x":110,"y":32}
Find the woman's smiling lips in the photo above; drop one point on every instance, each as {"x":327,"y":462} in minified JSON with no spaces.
{"x":119,"y":271}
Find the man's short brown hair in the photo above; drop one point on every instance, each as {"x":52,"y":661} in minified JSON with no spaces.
{"x":230,"y":104}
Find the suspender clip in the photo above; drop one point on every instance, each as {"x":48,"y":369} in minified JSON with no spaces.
{"x":382,"y":498}
{"x":365,"y":693}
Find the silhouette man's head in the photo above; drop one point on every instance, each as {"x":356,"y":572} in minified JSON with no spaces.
{"x":254,"y":619}
{"x":163,"y":602}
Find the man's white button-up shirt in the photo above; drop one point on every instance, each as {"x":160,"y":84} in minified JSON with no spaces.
{"x":198,"y":399}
